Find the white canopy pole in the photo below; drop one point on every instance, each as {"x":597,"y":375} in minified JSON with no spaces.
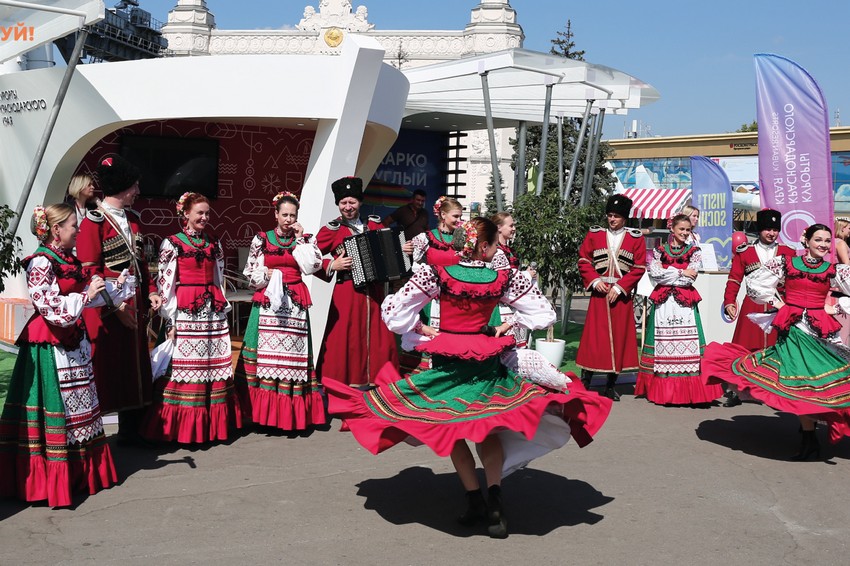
{"x":491,"y":136}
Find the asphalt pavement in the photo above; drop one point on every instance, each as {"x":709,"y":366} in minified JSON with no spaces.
{"x":659,"y":485}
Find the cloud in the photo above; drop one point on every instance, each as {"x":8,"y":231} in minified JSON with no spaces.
{"x":843,"y":192}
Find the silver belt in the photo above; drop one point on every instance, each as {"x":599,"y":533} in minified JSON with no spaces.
{"x":609,"y":280}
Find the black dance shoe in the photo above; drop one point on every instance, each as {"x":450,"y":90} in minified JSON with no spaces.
{"x":732,"y":399}
{"x":498,"y":524}
{"x":476,"y":509}
{"x":610,"y":392}
{"x":809,"y":446}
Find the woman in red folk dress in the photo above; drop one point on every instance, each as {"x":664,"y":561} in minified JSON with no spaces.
{"x":434,"y":247}
{"x":807,"y":371}
{"x":670,"y":360}
{"x":275,"y":367}
{"x":478,"y":389}
{"x":51,"y":432}
{"x":507,"y":231}
{"x":195,"y":401}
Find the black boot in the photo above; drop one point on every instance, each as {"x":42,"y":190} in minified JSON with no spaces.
{"x":732,"y":399}
{"x":809,"y":446}
{"x":586,"y":378}
{"x":498,"y":524}
{"x":476,"y":509}
{"x":610,"y":392}
{"x":129,"y":423}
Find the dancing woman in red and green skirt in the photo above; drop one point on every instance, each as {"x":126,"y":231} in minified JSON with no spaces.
{"x":480,"y":387}
{"x":807,"y":372}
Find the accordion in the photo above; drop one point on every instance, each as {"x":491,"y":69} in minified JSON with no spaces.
{"x":376,"y":256}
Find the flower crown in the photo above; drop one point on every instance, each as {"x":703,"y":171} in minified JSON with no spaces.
{"x":282,"y":194}
{"x":41,"y":227}
{"x":470,"y":239}
{"x":182,"y":201}
{"x":438,"y":205}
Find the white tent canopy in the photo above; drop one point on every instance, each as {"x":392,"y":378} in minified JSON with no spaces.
{"x":449,"y":95}
{"x":49,"y":20}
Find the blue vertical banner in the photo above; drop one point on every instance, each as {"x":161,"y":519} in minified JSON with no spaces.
{"x":417,"y":160}
{"x":711,"y":193}
{"x":795,"y":168}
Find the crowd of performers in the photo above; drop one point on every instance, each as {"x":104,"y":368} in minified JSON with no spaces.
{"x":787,"y":350}
{"x":465,"y":312}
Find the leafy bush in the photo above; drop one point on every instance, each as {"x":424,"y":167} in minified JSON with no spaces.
{"x":10,"y":247}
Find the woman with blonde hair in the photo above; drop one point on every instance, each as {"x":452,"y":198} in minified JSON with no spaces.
{"x":51,"y":433}
{"x":81,"y":192}
{"x":841,"y":230}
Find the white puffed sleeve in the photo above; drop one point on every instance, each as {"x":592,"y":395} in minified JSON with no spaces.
{"x":672,"y":275}
{"x":255,"y":269}
{"x":307,"y":255}
{"x":763,"y":282}
{"x":500,"y":261}
{"x":420,"y":247}
{"x":48,"y":300}
{"x":841,"y":280}
{"x":531,"y":365}
{"x":531,"y":309}
{"x":167,"y":280}
{"x":118,"y":293}
{"x":400,"y":311}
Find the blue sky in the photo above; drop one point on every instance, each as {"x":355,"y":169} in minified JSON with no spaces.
{"x":698,"y":55}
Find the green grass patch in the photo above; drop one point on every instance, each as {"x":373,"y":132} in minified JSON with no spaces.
{"x":7,"y":364}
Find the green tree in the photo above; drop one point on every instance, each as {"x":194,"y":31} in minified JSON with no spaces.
{"x":564,"y":46}
{"x":10,"y":247}
{"x":751,"y":127}
{"x":490,"y":198}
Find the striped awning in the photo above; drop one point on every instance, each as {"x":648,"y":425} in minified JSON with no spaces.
{"x":657,"y":203}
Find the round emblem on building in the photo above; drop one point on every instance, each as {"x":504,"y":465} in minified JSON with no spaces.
{"x":333,"y":37}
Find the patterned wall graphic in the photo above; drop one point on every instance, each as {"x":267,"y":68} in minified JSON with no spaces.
{"x":255,"y":163}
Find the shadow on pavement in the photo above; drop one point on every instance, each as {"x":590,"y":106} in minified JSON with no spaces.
{"x":774,"y":437}
{"x":535,"y":502}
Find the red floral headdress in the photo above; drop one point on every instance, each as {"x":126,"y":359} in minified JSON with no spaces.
{"x":438,"y":205}
{"x":182,"y":201}
{"x":41,"y":228}
{"x":282,"y":194}
{"x":470,"y":239}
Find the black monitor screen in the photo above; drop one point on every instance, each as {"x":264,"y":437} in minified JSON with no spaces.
{"x":171,"y":166}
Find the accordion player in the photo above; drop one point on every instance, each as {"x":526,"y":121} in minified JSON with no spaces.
{"x":377,"y":256}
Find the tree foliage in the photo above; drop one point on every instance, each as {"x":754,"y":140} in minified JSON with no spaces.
{"x":550,"y":235}
{"x":751,"y":127}
{"x":490,"y":199}
{"x":10,"y":247}
{"x":564,"y":46}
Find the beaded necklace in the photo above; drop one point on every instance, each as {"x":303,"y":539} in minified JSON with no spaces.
{"x":281,"y":241}
{"x":196,"y":241}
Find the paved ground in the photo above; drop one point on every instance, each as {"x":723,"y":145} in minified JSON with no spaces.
{"x":658,"y":486}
